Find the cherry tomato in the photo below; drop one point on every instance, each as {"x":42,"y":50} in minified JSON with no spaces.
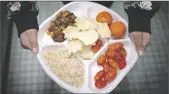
{"x":116,"y":46}
{"x":100,"y":83}
{"x":111,"y":75}
{"x":101,"y":60}
{"x":123,"y":52}
{"x":111,"y":50}
{"x":99,"y":75}
{"x":113,"y":63}
{"x":110,"y":53}
{"x":122,"y":63}
{"x":119,"y":45}
{"x":109,"y":60}
{"x":95,"y":48}
{"x":111,"y":68}
{"x":112,"y":47}
{"x":106,"y":67}
{"x":99,"y":42}
{"x":117,"y":56}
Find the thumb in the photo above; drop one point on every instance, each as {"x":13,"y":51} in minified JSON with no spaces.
{"x":146,"y":40}
{"x":137,"y":38}
{"x":34,"y":47}
{"x":33,"y":40}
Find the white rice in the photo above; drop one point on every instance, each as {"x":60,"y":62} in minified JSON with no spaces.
{"x":65,"y":66}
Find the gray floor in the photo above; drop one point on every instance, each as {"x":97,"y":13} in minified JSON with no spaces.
{"x":148,"y":76}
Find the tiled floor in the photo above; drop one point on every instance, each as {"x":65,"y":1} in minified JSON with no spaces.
{"x":148,"y":76}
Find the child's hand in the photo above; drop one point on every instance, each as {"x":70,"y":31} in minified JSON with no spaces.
{"x":29,"y":40}
{"x":141,"y":40}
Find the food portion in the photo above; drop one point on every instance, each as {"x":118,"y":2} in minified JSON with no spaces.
{"x":100,"y":83}
{"x":88,"y":37}
{"x":88,"y":32}
{"x":113,"y":60}
{"x":86,"y":53}
{"x":62,"y":20}
{"x":85,"y":35}
{"x":104,"y":17}
{"x":118,"y":29}
{"x":65,"y":66}
{"x":97,"y":46}
{"x":75,"y":45}
{"x":85,"y":24}
{"x":103,"y":30}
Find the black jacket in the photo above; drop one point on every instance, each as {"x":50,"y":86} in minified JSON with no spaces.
{"x":24,"y":14}
{"x":139,"y":14}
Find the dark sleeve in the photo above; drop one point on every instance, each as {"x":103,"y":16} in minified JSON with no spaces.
{"x":26,"y":17}
{"x":25,"y":20}
{"x":140,"y":16}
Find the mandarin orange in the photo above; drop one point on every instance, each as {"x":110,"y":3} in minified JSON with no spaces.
{"x":118,"y":29}
{"x":104,"y":17}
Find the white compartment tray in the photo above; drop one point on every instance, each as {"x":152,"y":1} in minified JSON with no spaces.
{"x":87,"y":9}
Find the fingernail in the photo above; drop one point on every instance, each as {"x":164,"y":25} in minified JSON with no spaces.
{"x":35,"y":50}
{"x":140,"y":52}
